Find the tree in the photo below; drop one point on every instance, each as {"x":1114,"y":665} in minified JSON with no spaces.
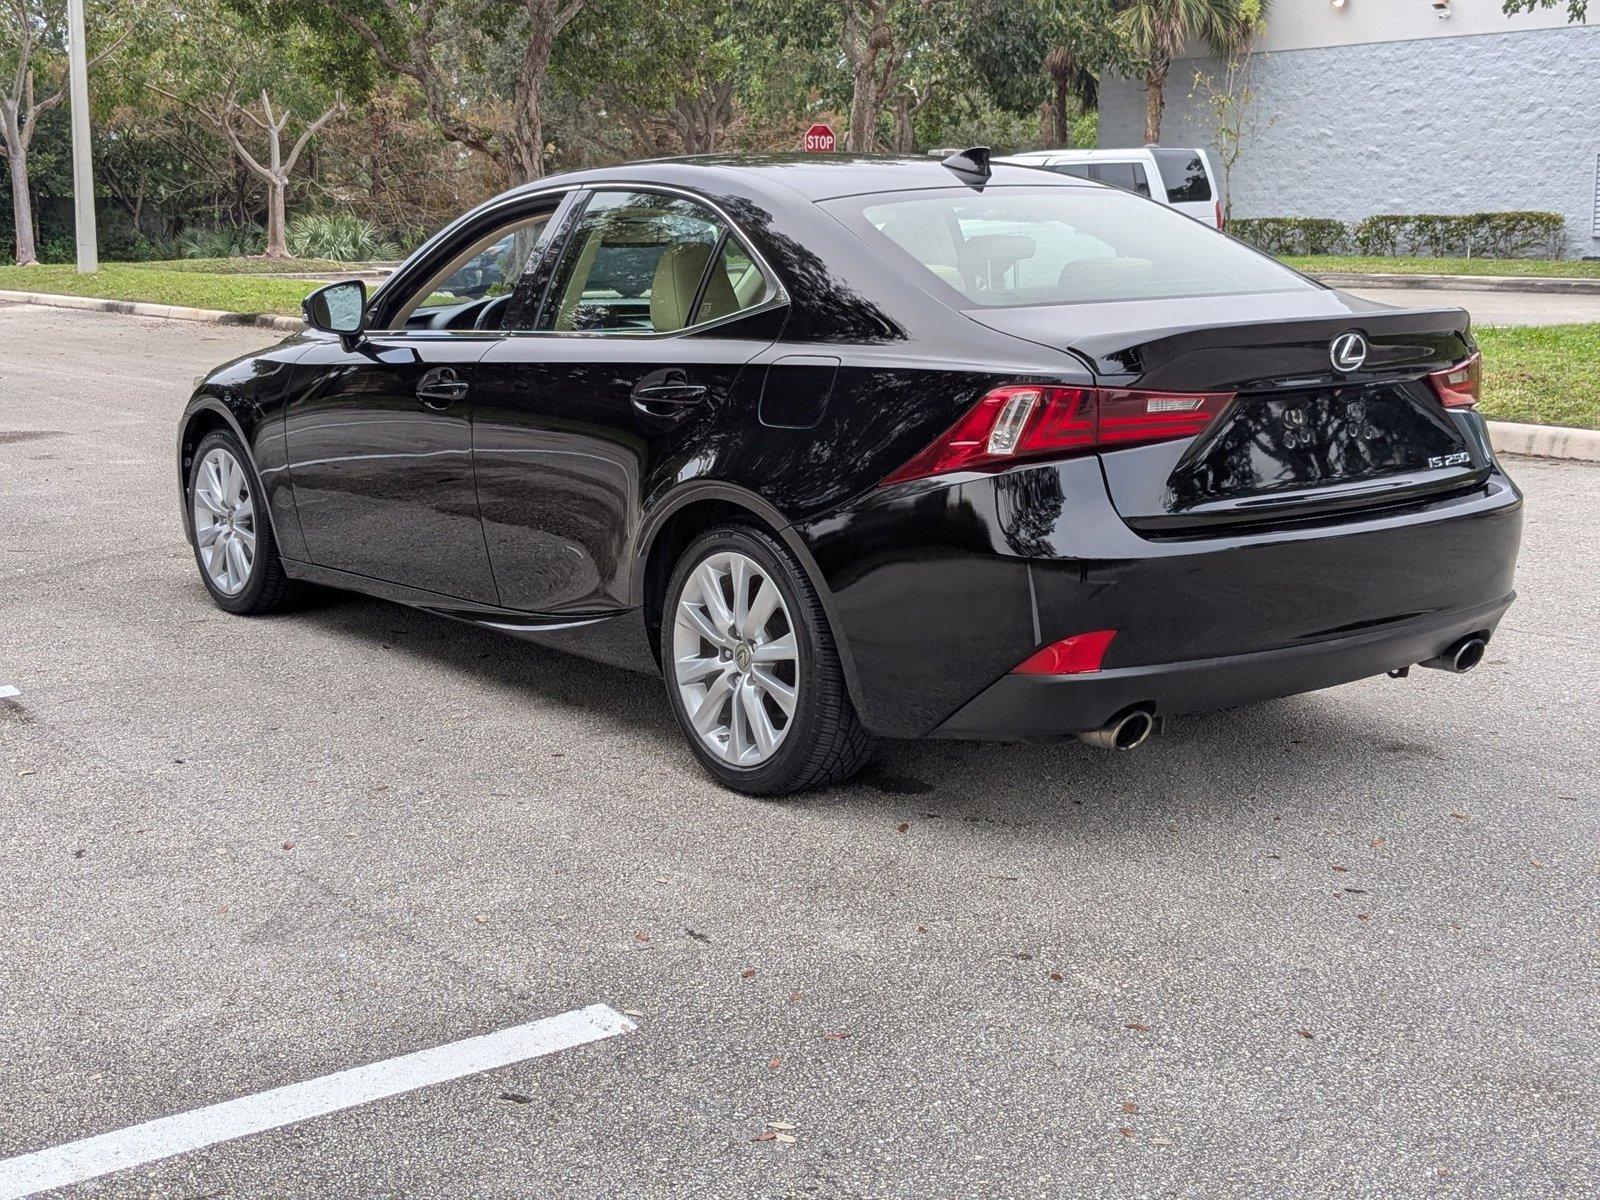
{"x":1231,"y":99}
{"x":247,"y":80}
{"x":1577,"y":10}
{"x":1157,"y":30}
{"x":33,"y":36}
{"x":427,"y":40}
{"x":867,"y":41}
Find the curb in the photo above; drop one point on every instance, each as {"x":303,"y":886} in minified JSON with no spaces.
{"x":172,"y":312}
{"x":1467,"y":283}
{"x":1545,"y":441}
{"x":1538,"y":441}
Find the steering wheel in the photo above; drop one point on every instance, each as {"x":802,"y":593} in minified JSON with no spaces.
{"x":490,"y":314}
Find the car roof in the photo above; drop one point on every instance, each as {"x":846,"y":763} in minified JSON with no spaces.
{"x":813,"y":176}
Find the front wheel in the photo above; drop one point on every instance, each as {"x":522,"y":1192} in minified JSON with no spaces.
{"x":752,"y":671}
{"x":233,"y":543}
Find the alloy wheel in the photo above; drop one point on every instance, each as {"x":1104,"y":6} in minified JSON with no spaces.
{"x":736,"y":659}
{"x":224,"y":521}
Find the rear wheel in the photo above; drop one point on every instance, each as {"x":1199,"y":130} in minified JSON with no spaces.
{"x":752,"y":671}
{"x":233,"y":543}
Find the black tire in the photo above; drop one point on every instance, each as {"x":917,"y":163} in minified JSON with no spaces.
{"x":268,"y":587}
{"x":825,"y":743}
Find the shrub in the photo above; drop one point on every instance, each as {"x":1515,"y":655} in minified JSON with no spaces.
{"x":1290,"y":235}
{"x":339,"y":236}
{"x":1472,"y":235}
{"x":221,"y":241}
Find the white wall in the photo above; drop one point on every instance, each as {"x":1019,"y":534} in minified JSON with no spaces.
{"x":1302,"y":24}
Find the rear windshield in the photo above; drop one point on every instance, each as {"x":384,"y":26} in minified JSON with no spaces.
{"x":1183,"y":174}
{"x":1009,"y":247}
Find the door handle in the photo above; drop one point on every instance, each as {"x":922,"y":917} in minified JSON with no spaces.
{"x":674,"y":395}
{"x":441,"y":387}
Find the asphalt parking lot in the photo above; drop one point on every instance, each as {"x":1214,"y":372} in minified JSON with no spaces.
{"x":1492,"y":307}
{"x":1336,"y":945}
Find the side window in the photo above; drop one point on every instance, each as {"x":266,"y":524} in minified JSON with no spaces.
{"x":1080,"y":170}
{"x":640,"y":262}
{"x":489,"y":268}
{"x":1130,"y":177}
{"x":1184,"y":174}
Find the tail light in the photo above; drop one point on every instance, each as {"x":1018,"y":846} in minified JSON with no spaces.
{"x":1076,"y":655}
{"x":1219,"y":214}
{"x":1025,"y":421}
{"x":1459,"y":386}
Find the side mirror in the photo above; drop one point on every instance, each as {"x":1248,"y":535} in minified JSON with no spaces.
{"x":338,"y":308}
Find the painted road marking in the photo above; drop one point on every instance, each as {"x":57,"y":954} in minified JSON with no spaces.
{"x":164,"y":1137}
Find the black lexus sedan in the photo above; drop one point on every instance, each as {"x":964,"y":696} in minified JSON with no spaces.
{"x":849,"y":448}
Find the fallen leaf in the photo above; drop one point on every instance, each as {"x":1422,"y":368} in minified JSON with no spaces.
{"x":780,"y":1125}
{"x":515,"y":1097}
{"x":796,"y":997}
{"x":1125,"y":1131}
{"x":834,"y":1037}
{"x":924,"y":928}
{"x":1377,"y":843}
{"x":1460,"y":816}
{"x":641,"y":936}
{"x":1137,"y":1028}
{"x":1536,"y":862}
{"x":1161,"y":1141}
{"x":902,"y":827}
{"x":79,"y":852}
{"x":288,"y":845}
{"x":774,"y":1063}
{"x":699,"y":937}
{"x":1363,"y":916}
{"x":1305,"y":1033}
{"x":787,"y":1139}
{"x":748,"y":973}
{"x":1129,"y":1107}
{"x":632,"y":1012}
{"x":662,"y":879}
{"x":765,"y":1136}
{"x":481,"y":919}
{"x":1341,"y":869}
{"x":1055,"y":977}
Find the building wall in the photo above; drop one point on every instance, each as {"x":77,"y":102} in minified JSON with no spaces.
{"x":1300,"y":24}
{"x":1457,"y":124}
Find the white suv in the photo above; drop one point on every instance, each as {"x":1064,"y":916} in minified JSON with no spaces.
{"x":1181,"y":178}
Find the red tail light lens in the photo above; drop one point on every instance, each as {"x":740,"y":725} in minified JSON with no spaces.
{"x":1076,"y":655}
{"x":1459,"y":386}
{"x":1024,"y":421}
{"x":1219,"y":214}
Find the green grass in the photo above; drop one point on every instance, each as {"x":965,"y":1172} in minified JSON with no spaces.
{"x":246,"y":266}
{"x":1549,"y":268}
{"x":1541,"y":374}
{"x":154,"y":284}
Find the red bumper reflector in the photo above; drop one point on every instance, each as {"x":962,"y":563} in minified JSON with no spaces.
{"x":1076,"y":655}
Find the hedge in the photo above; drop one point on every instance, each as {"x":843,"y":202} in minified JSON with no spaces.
{"x":1428,"y":235}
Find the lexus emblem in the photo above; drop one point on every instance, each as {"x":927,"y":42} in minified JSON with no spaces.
{"x":1348,"y":352}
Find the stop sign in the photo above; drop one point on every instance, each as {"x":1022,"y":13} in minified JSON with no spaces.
{"x":819,"y":140}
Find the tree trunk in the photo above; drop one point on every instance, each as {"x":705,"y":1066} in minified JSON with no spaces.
{"x":277,"y":218}
{"x":21,"y":203}
{"x":863,"y":114}
{"x":1155,"y":84}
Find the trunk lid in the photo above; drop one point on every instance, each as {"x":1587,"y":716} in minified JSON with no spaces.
{"x":1300,"y":439}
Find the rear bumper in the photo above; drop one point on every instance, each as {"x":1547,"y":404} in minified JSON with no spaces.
{"x":1043,"y":707}
{"x":937,"y":589}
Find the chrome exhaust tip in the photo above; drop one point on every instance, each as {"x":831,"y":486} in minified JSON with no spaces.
{"x":1459,"y":658}
{"x":1128,"y":731}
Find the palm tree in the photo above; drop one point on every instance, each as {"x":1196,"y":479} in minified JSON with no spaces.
{"x":1157,"y":30}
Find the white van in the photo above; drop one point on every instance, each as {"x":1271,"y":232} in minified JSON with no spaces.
{"x":1182,"y":178}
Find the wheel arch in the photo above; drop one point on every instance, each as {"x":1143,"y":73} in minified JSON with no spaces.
{"x":204,"y":414}
{"x":686,"y":513}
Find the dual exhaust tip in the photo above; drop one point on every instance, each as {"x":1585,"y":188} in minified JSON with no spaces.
{"x":1131,"y":729}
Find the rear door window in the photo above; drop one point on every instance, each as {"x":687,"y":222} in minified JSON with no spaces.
{"x":1183,"y":174}
{"x":1129,"y":176}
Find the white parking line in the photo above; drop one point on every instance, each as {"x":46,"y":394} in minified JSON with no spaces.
{"x":164,"y":1137}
